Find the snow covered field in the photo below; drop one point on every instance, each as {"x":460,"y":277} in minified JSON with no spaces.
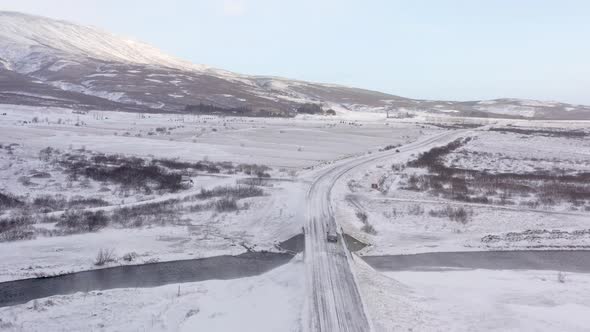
{"x":269,"y":302}
{"x":512,"y":152}
{"x":390,"y":218}
{"x":266,"y":222}
{"x":281,"y":143}
{"x":395,"y":220}
{"x":287,"y":145}
{"x":485,"y":300}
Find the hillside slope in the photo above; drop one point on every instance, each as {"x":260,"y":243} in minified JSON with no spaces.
{"x":50,"y":62}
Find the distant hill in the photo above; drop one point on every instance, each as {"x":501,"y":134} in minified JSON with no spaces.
{"x":46,"y":62}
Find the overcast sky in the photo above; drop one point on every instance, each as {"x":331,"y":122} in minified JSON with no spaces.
{"x":435,"y":49}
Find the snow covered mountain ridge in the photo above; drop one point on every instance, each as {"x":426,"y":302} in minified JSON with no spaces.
{"x":22,"y":35}
{"x":51,"y":62}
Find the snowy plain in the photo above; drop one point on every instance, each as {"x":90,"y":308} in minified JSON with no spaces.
{"x":503,"y":300}
{"x":295,"y":149}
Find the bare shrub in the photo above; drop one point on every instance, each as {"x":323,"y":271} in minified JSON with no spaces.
{"x":127,"y":171}
{"x":83,"y":221}
{"x":415,"y":210}
{"x":476,"y":186}
{"x":48,"y":203}
{"x":389,"y":147}
{"x":432,"y":159}
{"x":543,"y":132}
{"x":200,"y":207}
{"x":252,"y":169}
{"x":17,"y":227}
{"x":9,"y":201}
{"x":362,"y":216}
{"x":235,"y":192}
{"x":18,"y":234}
{"x":47,"y":153}
{"x":81,"y":202}
{"x":104,"y":256}
{"x":226,"y":205}
{"x":459,"y":214}
{"x":369,"y":229}
{"x":261,"y":182}
{"x":161,"y":213}
{"x":191,"y":313}
{"x":130,"y":256}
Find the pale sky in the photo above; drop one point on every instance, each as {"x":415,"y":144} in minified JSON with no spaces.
{"x":433,"y":49}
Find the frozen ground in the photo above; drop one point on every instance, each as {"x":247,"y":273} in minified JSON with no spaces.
{"x":400,"y":230}
{"x":269,"y":302}
{"x":267,"y":221}
{"x":486,"y":300}
{"x":513,"y":152}
{"x":408,"y":221}
{"x":401,"y":221}
{"x":289,"y":143}
{"x":391,"y":305}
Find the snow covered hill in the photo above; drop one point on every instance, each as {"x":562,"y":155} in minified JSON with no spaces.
{"x":27,"y":42}
{"x":47,"y":62}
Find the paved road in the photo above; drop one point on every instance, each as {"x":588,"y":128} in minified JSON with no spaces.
{"x":335,"y":301}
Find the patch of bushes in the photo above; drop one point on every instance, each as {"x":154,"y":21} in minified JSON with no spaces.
{"x":82,"y":202}
{"x":17,"y":227}
{"x":226,"y":205}
{"x":367,"y":227}
{"x":128,"y":172}
{"x":200,"y":166}
{"x":161,"y":213}
{"x":310,"y":108}
{"x":432,"y":159}
{"x":8,"y":201}
{"x":260,"y":182}
{"x":200,"y":207}
{"x":362,"y":216}
{"x":235,"y":192}
{"x":475,"y":186}
{"x":75,"y":221}
{"x":48,"y":203}
{"x":542,"y":132}
{"x":253,"y":169}
{"x":415,"y":210}
{"x":217,"y":110}
{"x":389,"y":147}
{"x":105,"y":256}
{"x":130,"y":256}
{"x":18,"y":234}
{"x":459,"y":214}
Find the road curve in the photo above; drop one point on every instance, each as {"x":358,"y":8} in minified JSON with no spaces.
{"x":335,"y":303}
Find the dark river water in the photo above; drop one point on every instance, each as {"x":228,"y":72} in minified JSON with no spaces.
{"x":559,"y":260}
{"x":147,"y":275}
{"x":253,"y":263}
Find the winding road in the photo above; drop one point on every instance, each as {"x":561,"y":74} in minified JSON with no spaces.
{"x":335,"y":302}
